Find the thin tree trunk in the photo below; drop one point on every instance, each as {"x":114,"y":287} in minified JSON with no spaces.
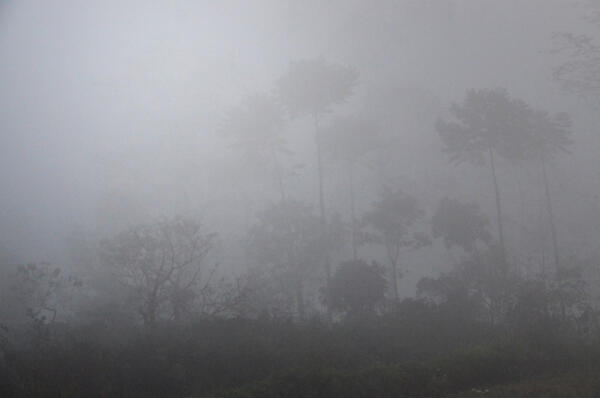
{"x":322,"y":211}
{"x":393,"y":254}
{"x":395,"y":283}
{"x":498,"y":211}
{"x":300,"y":299}
{"x":279,"y":175}
{"x":550,"y":215}
{"x":353,"y":212}
{"x":319,"y":169}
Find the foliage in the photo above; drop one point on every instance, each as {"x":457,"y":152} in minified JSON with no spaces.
{"x":39,"y":287}
{"x":289,"y":243}
{"x":255,"y":128}
{"x":390,"y":222}
{"x":357,"y":288}
{"x":312,"y":86}
{"x":549,"y":134}
{"x":486,"y":120}
{"x":460,"y":224}
{"x":164,"y":265}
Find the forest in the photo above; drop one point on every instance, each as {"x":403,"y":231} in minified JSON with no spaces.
{"x":300,"y":199}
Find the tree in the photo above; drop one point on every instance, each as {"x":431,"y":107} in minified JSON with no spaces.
{"x":460,"y":224}
{"x":390,"y":222}
{"x":39,"y":289}
{"x":348,"y":140}
{"x":163,"y":263}
{"x":579,"y":73}
{"x":287,"y":241}
{"x":357,"y":288}
{"x":311,"y":87}
{"x":255,"y":128}
{"x":549,"y":136}
{"x":487,"y":123}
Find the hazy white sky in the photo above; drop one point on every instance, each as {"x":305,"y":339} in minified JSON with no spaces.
{"x":100,"y":95}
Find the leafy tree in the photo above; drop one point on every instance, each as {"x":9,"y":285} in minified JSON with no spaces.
{"x":163,"y":263}
{"x":287,"y":242}
{"x":357,"y":288}
{"x":311,"y":87}
{"x":390,"y":222}
{"x":460,"y":224}
{"x":579,"y":73}
{"x":549,"y":136}
{"x":39,"y":287}
{"x":487,"y":123}
{"x":255,"y":128}
{"x":348,"y":140}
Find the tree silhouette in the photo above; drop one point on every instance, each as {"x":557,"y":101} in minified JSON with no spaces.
{"x":357,"y":287}
{"x":347,"y":140}
{"x":390,"y":222}
{"x":487,"y":123}
{"x":549,"y":136}
{"x":288,"y":242}
{"x":579,"y":73}
{"x":163,"y":263}
{"x":460,"y":224}
{"x":255,"y":128}
{"x":311,"y":87}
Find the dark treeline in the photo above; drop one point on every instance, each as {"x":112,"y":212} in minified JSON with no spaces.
{"x":329,"y":293}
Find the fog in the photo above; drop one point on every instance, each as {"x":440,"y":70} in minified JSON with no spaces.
{"x":121,"y":114}
{"x":124,"y":99}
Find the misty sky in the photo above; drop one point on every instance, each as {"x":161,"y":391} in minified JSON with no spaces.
{"x":102,"y":100}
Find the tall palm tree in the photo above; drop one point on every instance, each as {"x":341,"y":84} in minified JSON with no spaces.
{"x":487,"y":123}
{"x":549,"y":136}
{"x":311,"y":87}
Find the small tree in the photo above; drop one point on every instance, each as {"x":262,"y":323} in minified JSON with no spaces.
{"x":163,"y":264}
{"x":549,"y":136}
{"x":390,"y":222}
{"x":310,"y":87}
{"x":487,"y":123}
{"x":39,"y":287}
{"x":357,"y":288}
{"x":287,"y":241}
{"x":460,"y":224}
{"x":348,"y":140}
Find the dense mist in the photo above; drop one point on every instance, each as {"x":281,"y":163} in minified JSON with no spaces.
{"x":353,"y":194}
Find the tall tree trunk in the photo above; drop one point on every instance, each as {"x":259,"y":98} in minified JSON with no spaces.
{"x":278,"y":175}
{"x":353,"y":211}
{"x":395,"y":281}
{"x":393,"y":253}
{"x":301,"y":308}
{"x":550,"y":215}
{"x":322,"y":211}
{"x":498,"y":211}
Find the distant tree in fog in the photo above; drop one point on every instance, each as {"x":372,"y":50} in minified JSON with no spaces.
{"x":164,"y":263}
{"x":287,"y":240}
{"x":390,"y":223}
{"x":255,"y":128}
{"x":357,"y":287}
{"x":460,"y":224}
{"x":487,"y":123}
{"x":347,"y":140}
{"x":39,"y":287}
{"x":311,"y":87}
{"x":549,"y":136}
{"x":579,"y":72}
